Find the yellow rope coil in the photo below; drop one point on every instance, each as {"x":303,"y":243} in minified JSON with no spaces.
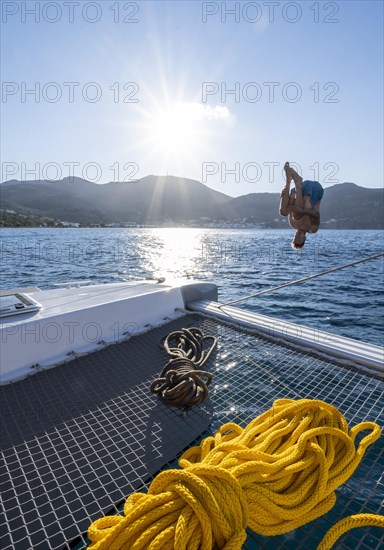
{"x":278,"y":473}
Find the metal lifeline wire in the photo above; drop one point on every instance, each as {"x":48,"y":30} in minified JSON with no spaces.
{"x":302,"y":280}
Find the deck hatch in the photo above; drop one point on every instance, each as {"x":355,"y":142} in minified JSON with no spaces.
{"x":15,"y":304}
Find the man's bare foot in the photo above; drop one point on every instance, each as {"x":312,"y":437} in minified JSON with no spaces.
{"x":288,"y":171}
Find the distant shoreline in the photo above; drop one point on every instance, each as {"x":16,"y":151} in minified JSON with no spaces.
{"x":173,"y":202}
{"x":184,"y":227}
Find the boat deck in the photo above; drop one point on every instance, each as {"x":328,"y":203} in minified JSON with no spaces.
{"x":78,"y":438}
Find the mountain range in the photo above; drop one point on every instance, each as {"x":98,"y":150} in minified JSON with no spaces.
{"x":168,"y":199}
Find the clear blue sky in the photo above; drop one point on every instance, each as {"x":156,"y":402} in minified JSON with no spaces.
{"x":178,"y":62}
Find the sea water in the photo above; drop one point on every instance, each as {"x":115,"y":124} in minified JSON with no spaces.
{"x":241,"y":262}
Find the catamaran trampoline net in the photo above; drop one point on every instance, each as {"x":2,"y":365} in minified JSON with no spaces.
{"x":79,"y":438}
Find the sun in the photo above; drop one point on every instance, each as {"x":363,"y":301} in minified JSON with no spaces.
{"x":176,"y":130}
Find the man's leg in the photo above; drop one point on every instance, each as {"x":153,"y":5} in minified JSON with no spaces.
{"x":293,"y":174}
{"x":298,"y":181}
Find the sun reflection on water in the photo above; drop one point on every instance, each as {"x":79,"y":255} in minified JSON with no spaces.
{"x":174,"y":253}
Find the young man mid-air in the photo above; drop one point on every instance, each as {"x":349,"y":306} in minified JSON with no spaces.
{"x":302,"y":205}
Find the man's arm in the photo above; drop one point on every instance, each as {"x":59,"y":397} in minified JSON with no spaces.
{"x":308,"y":211}
{"x":284,"y":199}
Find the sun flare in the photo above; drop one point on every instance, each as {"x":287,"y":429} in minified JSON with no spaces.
{"x":175,"y":135}
{"x":182,"y":130}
